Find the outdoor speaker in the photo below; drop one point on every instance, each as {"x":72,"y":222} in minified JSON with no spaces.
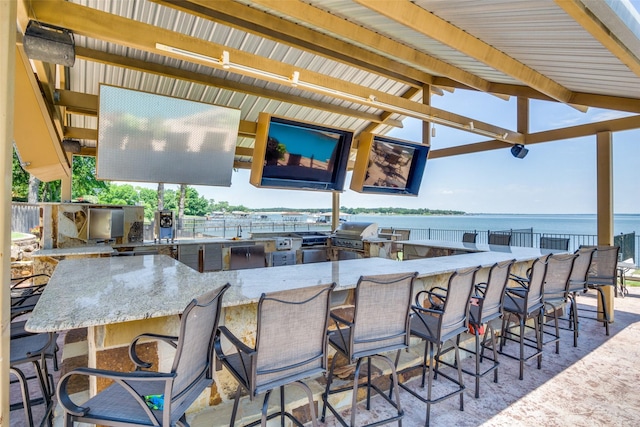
{"x":49,"y":44}
{"x":518,"y":151}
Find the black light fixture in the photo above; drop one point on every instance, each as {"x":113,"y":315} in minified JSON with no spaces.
{"x":49,"y":44}
{"x":518,"y":151}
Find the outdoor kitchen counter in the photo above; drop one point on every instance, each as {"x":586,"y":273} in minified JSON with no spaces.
{"x":117,"y":298}
{"x":103,"y":291}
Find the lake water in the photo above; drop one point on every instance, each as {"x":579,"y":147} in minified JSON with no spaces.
{"x":552,"y":224}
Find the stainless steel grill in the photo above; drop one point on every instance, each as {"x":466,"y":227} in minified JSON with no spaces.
{"x":352,"y":234}
{"x":312,"y":238}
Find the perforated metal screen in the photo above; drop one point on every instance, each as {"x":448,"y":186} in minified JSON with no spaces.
{"x":152,"y":138}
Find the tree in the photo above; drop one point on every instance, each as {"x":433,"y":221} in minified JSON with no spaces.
{"x":171,"y":200}
{"x":149,"y":199}
{"x":84,"y":182}
{"x":195,"y":204}
{"x":50,"y":191}
{"x":123,"y":194}
{"x":34,"y":186}
{"x":183,"y":193}
{"x":160,"y":202}
{"x":19,"y":180}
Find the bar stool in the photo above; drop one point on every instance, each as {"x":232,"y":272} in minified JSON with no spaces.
{"x":33,"y":349}
{"x":291,"y":344}
{"x":524,"y":302}
{"x":578,"y":283}
{"x":380,"y":324}
{"x":485,"y":305}
{"x":603,"y":272}
{"x":555,"y":293}
{"x":444,"y":321}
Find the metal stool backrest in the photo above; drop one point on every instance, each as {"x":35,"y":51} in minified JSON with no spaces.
{"x":381,"y":316}
{"x":469,"y":237}
{"x":559,"y":266}
{"x":604,"y":263}
{"x":291,"y":341}
{"x":536,"y":283}
{"x":578,"y":278}
{"x":561,"y":243}
{"x":456,"y":305}
{"x":193,"y":356}
{"x":499,"y":239}
{"x":494,"y":291}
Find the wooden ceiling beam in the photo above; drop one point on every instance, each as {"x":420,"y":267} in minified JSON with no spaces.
{"x":425,"y":22}
{"x":71,"y":132}
{"x":630,"y":105}
{"x":273,"y":27}
{"x":209,"y":80}
{"x":116,"y":29}
{"x":34,"y":133}
{"x":614,"y":125}
{"x":254,"y":21}
{"x":477,"y":147}
{"x":588,"y":129}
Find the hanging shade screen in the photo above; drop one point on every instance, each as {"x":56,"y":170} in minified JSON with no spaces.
{"x":152,"y":138}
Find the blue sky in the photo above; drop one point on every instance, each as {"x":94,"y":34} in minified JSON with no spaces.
{"x":555,"y":177}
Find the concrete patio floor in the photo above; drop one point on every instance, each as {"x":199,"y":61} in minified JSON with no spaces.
{"x":594,"y":384}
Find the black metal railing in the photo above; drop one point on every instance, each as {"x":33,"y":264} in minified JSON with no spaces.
{"x":228,"y":228}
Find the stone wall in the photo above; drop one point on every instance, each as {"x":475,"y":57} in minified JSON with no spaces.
{"x":21,"y":252}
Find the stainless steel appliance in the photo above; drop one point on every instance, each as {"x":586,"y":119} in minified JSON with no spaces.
{"x":313,"y":238}
{"x":283,"y":243}
{"x":250,"y":256}
{"x":283,"y":258}
{"x":314,"y":255}
{"x":105,"y":224}
{"x":352,"y":234}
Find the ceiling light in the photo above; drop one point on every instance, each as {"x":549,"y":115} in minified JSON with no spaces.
{"x":224,"y":59}
{"x":188,"y":53}
{"x":295,"y":78}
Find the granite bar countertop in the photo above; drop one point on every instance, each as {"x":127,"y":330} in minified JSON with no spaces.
{"x":79,"y":250}
{"x":464,"y":246}
{"x":99,"y":291}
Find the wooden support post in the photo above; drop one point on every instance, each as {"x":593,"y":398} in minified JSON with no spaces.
{"x":604,"y":154}
{"x":8,"y":16}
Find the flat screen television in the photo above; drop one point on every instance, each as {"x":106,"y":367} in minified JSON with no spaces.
{"x":296,"y":155}
{"x":388,"y":166}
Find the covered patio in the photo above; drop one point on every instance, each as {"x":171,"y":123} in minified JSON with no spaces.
{"x":358,"y":65}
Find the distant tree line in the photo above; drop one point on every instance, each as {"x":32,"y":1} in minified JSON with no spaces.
{"x":369,"y":211}
{"x":399,"y":211}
